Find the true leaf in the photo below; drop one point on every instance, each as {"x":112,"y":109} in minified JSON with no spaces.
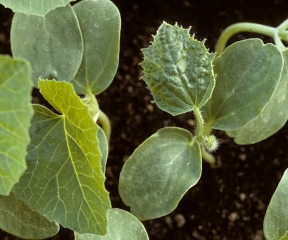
{"x":122,"y":225}
{"x":35,"y":7}
{"x":64,"y":180}
{"x":52,"y":43}
{"x":15,"y":115}
{"x":248,"y":73}
{"x":273,"y":117}
{"x":178,"y":70}
{"x":100,"y":25}
{"x":159,"y":172}
{"x":18,"y":219}
{"x":276,"y":217}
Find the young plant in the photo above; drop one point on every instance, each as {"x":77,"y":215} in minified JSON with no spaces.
{"x":242,"y":91}
{"x":53,"y":158}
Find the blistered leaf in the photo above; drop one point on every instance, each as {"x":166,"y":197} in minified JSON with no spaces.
{"x":100,"y":25}
{"x":52,"y":43}
{"x":15,"y":115}
{"x":122,"y":225}
{"x":18,"y":219}
{"x":159,"y":172}
{"x":276,"y":217}
{"x":35,"y":7}
{"x":273,"y":117}
{"x":64,"y":180}
{"x":248,"y":73}
{"x":178,"y":70}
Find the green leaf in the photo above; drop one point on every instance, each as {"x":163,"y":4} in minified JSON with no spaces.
{"x":100,"y":25}
{"x":35,"y":7}
{"x":15,"y":115}
{"x":178,"y":70}
{"x":159,"y":172}
{"x":18,"y":219}
{"x":248,"y":73}
{"x":122,"y":225}
{"x":276,"y":218}
{"x":103,"y":145}
{"x":52,"y":43}
{"x":64,"y":180}
{"x":273,"y":117}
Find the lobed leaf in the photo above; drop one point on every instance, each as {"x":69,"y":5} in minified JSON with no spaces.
{"x":52,"y":43}
{"x":18,"y":219}
{"x":273,"y":117}
{"x":15,"y":115}
{"x":178,"y":70}
{"x":100,"y":26}
{"x":64,"y":180}
{"x":122,"y":225}
{"x":159,"y":172}
{"x":248,"y":73}
{"x":276,"y":217}
{"x":34,"y":7}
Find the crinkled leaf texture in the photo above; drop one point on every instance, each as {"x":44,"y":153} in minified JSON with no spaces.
{"x":100,"y":26}
{"x":159,"y":172}
{"x":178,"y":70}
{"x":248,"y":73}
{"x":122,"y":225}
{"x":273,"y":117}
{"x":18,"y":219}
{"x":34,"y":7}
{"x":64,"y":180}
{"x":52,"y":44}
{"x":15,"y":115}
{"x":276,"y":217}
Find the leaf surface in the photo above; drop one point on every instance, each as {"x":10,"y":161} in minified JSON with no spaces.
{"x":64,"y":180}
{"x":35,"y":7}
{"x":100,"y":26}
{"x":248,"y":73}
{"x":52,"y":43}
{"x":122,"y":225}
{"x":178,"y":70}
{"x":18,"y":219}
{"x":159,"y":172}
{"x":273,"y":117}
{"x":276,"y":217}
{"x":15,"y":115}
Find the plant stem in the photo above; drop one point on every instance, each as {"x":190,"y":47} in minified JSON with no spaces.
{"x":105,"y":123}
{"x":208,"y":157}
{"x":199,"y":121}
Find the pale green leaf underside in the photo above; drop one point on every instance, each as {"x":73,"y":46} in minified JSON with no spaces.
{"x":159,"y":172}
{"x":34,"y":7}
{"x":248,"y":73}
{"x":52,"y":43}
{"x":178,"y":70}
{"x":15,"y":115}
{"x":122,"y":225}
{"x":64,"y":180}
{"x":18,"y":219}
{"x":276,"y":218}
{"x":273,"y":117}
{"x":100,"y":25}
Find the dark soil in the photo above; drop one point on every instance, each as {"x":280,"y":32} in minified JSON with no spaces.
{"x":231,"y":198}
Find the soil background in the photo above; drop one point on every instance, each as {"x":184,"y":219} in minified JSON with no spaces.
{"x":230,"y":200}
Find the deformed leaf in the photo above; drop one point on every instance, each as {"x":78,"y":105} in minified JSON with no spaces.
{"x":248,"y":73}
{"x":35,"y":7}
{"x":178,"y":70}
{"x":159,"y":172}
{"x":52,"y":43}
{"x":273,"y":117}
{"x":15,"y":115}
{"x":64,"y":180}
{"x":122,"y":225}
{"x":100,"y":25}
{"x":276,"y":217}
{"x":18,"y":219}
